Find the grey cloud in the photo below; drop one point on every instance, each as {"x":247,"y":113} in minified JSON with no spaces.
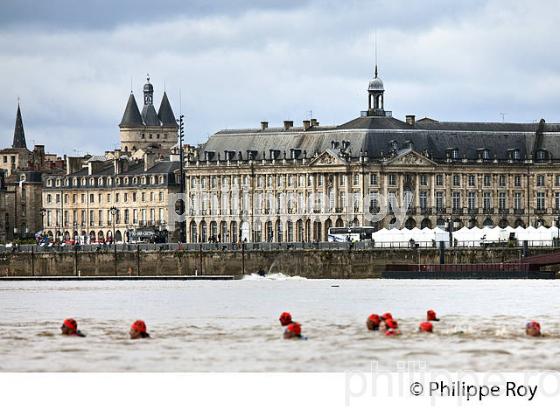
{"x":466,"y":62}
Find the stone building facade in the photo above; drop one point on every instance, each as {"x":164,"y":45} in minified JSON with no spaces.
{"x":294,"y":183}
{"x":99,"y":200}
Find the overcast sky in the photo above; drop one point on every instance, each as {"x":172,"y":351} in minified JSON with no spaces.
{"x":237,"y":62}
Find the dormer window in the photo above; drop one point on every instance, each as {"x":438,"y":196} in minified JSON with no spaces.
{"x":100,"y":182}
{"x":515,"y":154}
{"x":454,"y":152}
{"x":75,"y":181}
{"x":541,"y":155}
{"x":84,"y":183}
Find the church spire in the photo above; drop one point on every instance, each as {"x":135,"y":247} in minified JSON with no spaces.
{"x":19,"y":133}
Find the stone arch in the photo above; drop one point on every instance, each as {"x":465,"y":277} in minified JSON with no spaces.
{"x":503,"y":223}
{"x":118,"y":236}
{"x":100,"y":236}
{"x":317,"y":230}
{"x":488,"y":222}
{"x":213,"y":237}
{"x":339,"y":222}
{"x":473,"y":222}
{"x":194,"y":232}
{"x":279,"y":231}
{"x":233,"y":232}
{"x":457,"y":224}
{"x":410,"y":223}
{"x":224,"y":236}
{"x":268,"y":231}
{"x":299,"y":230}
{"x":328,"y":225}
{"x":440,"y":222}
{"x":289,"y":231}
{"x":426,"y":223}
{"x":203,"y":232}
{"x":519,"y":222}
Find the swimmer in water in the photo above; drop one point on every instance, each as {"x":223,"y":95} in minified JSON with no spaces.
{"x":426,"y":327}
{"x":70,"y":328}
{"x":386,"y":316}
{"x":138,"y":330}
{"x":285,"y":319}
{"x":392,"y":328}
{"x":431,"y":316}
{"x":293,"y":331}
{"x":533,"y":329}
{"x":373,"y":322}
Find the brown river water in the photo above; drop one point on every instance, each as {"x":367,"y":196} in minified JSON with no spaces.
{"x":233,"y":325}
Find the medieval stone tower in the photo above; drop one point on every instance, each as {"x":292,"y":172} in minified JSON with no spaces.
{"x":148,"y":130}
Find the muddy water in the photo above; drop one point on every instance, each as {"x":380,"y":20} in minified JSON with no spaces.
{"x":232,"y":326}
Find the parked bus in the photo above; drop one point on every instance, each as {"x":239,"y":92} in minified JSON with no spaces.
{"x":351,"y":234}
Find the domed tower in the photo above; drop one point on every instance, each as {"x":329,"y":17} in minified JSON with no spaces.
{"x":375,"y":96}
{"x":148,"y":130}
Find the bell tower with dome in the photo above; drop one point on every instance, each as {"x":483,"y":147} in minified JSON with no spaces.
{"x":375,"y":97}
{"x":148,"y":130}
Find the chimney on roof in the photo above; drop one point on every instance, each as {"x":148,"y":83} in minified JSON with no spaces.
{"x":264,"y":125}
{"x":306,"y":125}
{"x":314,"y":122}
{"x":149,"y":160}
{"x":73,"y":164}
{"x":288,"y":125}
{"x":411,"y":120}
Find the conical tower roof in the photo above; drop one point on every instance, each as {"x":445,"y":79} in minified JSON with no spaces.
{"x":19,"y":133}
{"x":150,"y":116}
{"x":131,"y":116}
{"x":165,"y":113}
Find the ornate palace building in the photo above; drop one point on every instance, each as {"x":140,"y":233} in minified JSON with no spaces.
{"x":470,"y":173}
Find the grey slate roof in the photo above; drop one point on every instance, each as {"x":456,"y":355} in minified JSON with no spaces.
{"x":134,"y":168}
{"x":149,"y":116}
{"x":378,"y":136}
{"x":19,"y":133}
{"x":131,"y":116}
{"x":165,"y":112}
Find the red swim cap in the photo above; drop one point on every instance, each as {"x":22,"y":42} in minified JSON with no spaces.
{"x":391,"y":332}
{"x":71,"y":324}
{"x":386,"y":316}
{"x":426,"y":327}
{"x":392,"y":324}
{"x":431,"y":315}
{"x":374,"y":319}
{"x":139,"y":326}
{"x":285,"y":319}
{"x":294,"y":328}
{"x":534,"y":325}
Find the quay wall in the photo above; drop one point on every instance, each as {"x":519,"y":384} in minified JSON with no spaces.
{"x":316,"y":264}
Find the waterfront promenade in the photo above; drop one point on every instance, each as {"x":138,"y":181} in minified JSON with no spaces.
{"x":310,"y":260}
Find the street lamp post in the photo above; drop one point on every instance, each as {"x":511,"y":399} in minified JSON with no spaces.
{"x":114,"y":212}
{"x":182,"y":224}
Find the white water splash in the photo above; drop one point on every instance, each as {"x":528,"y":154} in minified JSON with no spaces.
{"x":271,"y":276}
